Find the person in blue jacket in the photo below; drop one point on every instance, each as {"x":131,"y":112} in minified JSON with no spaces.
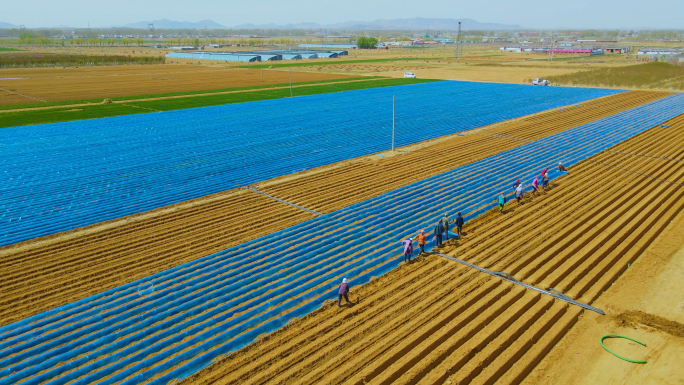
{"x":459,"y":224}
{"x":439,"y":230}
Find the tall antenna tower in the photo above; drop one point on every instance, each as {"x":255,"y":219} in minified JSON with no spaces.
{"x":459,"y":41}
{"x":151,"y":27}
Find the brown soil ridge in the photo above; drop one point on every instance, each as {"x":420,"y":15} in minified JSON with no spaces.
{"x":47,"y":272}
{"x":433,"y":321}
{"x":64,"y":84}
{"x":637,"y":317}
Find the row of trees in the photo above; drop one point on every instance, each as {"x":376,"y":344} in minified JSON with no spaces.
{"x":12,"y":61}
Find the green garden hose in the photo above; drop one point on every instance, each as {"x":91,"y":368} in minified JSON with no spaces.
{"x":617,"y":355}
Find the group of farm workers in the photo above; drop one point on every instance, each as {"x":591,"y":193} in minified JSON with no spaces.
{"x":441,"y":228}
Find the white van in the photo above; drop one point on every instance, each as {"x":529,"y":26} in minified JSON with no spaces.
{"x":409,"y":75}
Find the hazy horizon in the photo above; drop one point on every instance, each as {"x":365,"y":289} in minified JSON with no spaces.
{"x":580,"y":14}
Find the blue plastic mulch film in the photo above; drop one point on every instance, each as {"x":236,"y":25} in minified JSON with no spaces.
{"x":174,"y":323}
{"x":61,"y":176}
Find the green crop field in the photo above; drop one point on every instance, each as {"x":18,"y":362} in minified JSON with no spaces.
{"x":64,"y":114}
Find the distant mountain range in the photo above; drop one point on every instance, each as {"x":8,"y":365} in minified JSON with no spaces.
{"x":171,"y":24}
{"x":416,"y":23}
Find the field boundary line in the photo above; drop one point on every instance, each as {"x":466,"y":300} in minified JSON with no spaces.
{"x":30,"y":97}
{"x":141,"y":107}
{"x":256,"y":190}
{"x":506,"y":277}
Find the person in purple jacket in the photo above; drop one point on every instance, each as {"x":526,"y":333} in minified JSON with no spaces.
{"x":408,"y":248}
{"x":343,"y":292}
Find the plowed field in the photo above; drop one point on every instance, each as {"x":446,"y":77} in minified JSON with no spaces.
{"x":38,"y":276}
{"x":434,"y":321}
{"x":33,"y":85}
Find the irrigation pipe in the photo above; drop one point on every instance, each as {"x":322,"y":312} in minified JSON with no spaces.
{"x":507,"y":277}
{"x":617,"y":355}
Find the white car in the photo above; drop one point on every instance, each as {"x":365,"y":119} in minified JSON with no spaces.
{"x":540,"y":82}
{"x":409,"y":75}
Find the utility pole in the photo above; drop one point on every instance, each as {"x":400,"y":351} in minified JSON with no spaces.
{"x":262,"y":70}
{"x":458,"y":41}
{"x":290,"y":83}
{"x":394,"y":101}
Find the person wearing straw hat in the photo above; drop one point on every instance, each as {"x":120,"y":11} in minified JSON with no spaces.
{"x":343,"y":292}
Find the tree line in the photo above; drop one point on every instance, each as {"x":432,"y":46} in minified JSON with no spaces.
{"x":11,"y":61}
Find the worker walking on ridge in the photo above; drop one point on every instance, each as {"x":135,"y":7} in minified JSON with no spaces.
{"x":439,"y":230}
{"x":445,"y":223}
{"x":421,"y":240}
{"x":519,"y":192}
{"x":545,"y":180}
{"x":459,"y":223}
{"x":408,"y":248}
{"x":343,"y":292}
{"x":517,"y":183}
{"x":502,"y":202}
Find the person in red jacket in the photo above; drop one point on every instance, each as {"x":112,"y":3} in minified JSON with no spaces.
{"x":343,"y":292}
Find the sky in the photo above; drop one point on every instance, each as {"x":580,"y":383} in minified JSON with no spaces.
{"x":545,"y":14}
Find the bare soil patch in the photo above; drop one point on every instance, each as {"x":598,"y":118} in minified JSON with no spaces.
{"x":25,"y":85}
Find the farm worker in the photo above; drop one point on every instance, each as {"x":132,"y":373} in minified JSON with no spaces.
{"x":517,"y":183}
{"x":439,"y":230}
{"x":445,"y":223}
{"x":544,"y":171}
{"x":408,"y":248}
{"x":519,"y":192}
{"x":459,"y":223}
{"x":535,"y":183}
{"x":502,"y":202}
{"x":344,"y":290}
{"x":421,"y":240}
{"x":561,"y":167}
{"x":545,"y":180}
